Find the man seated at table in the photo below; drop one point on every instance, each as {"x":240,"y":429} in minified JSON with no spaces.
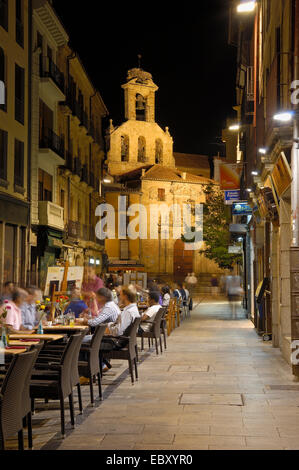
{"x":129,"y":313}
{"x":13,"y":320}
{"x":28,"y":309}
{"x":150,"y":314}
{"x":109,"y":313}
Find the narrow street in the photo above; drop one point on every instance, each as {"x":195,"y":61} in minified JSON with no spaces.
{"x":218,"y":386}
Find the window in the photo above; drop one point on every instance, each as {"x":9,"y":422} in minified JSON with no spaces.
{"x":3,"y":80}
{"x":125,"y":145}
{"x":49,"y":53}
{"x":22,"y":245}
{"x":4,"y":14}
{"x":19,"y":94}
{"x":62,"y":198}
{"x":159,"y":152}
{"x":161,"y":195}
{"x":3,"y":155}
{"x":45,"y":186}
{"x":19,"y":23}
{"x":141,"y":150}
{"x":19,"y":165}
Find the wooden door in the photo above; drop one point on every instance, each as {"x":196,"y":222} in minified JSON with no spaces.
{"x":182,"y":261}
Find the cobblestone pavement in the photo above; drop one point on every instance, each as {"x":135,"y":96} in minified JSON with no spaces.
{"x":218,"y":386}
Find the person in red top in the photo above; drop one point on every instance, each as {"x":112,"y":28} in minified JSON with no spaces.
{"x":91,"y":284}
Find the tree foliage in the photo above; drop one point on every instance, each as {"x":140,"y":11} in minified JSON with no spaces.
{"x":216,"y":233}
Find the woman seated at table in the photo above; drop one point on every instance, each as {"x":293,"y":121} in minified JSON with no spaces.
{"x":150,"y":314}
{"x":13,"y":320}
{"x":165,"y":296}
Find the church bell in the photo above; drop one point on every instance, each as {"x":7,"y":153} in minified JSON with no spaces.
{"x":140,"y":105}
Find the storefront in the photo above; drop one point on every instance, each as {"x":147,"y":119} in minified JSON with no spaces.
{"x":14,"y":221}
{"x":49,"y":251}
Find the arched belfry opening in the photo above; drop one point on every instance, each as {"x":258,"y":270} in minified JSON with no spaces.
{"x":140,"y":108}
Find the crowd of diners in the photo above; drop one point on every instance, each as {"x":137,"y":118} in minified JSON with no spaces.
{"x":97,"y":302}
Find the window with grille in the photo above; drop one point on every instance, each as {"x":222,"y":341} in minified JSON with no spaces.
{"x":19,"y":94}
{"x":3,"y":106}
{"x":3,"y":154}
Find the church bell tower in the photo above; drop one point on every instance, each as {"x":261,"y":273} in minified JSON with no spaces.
{"x":140,"y":96}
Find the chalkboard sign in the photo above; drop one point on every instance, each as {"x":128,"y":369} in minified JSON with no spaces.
{"x":265,"y":286}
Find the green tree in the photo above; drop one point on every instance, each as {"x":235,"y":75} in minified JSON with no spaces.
{"x":216,"y":235}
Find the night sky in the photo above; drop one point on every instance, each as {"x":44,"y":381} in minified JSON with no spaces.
{"x":185,"y":49}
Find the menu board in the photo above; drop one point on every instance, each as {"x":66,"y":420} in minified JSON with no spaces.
{"x":54,"y":278}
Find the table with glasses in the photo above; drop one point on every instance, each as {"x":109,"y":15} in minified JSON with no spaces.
{"x":45,"y":337}
{"x":66,"y":329}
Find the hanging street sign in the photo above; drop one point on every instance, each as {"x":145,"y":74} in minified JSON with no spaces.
{"x":232,"y":196}
{"x":242,"y":208}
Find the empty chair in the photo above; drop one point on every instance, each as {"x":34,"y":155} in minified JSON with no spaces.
{"x":60,"y":385}
{"x":13,"y":395}
{"x":91,"y":367}
{"x":128,"y":352}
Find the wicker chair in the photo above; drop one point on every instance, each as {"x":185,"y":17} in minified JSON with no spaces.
{"x":155,"y":331}
{"x":128,"y":352}
{"x":91,"y":367}
{"x":164,"y":326}
{"x":13,"y":397}
{"x":58,"y":386}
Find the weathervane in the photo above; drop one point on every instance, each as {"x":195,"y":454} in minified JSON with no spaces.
{"x":139,"y":60}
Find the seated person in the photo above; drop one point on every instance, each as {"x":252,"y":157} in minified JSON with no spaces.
{"x":13,"y":320}
{"x":150,"y":314}
{"x":109,"y":313}
{"x":128,"y":314}
{"x":77,"y":306}
{"x":7,"y":292}
{"x":166,"y":296}
{"x":29,"y":312}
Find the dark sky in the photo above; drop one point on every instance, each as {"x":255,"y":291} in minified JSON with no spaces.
{"x":186,"y":50}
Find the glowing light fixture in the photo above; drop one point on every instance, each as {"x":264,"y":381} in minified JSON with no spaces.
{"x":285,"y":116}
{"x":234,"y":127}
{"x":249,"y":190}
{"x":246,"y":7}
{"x":254,"y":173}
{"x":263,"y":151}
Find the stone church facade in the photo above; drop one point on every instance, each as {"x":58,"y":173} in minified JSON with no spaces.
{"x":141,"y":166}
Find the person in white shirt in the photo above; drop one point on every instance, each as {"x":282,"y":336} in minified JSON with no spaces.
{"x":166,"y":296}
{"x":150,"y":314}
{"x":128,"y":315}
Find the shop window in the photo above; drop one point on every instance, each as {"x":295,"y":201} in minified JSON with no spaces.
{"x":9,"y":253}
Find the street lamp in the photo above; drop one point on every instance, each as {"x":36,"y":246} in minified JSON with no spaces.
{"x":284,"y":116}
{"x":234,"y":127}
{"x":246,"y":6}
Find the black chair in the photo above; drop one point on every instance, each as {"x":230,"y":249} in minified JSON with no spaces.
{"x":164,"y":327}
{"x":91,"y":367}
{"x":57,"y":386}
{"x":13,"y":397}
{"x":155,"y":331}
{"x":128,"y":352}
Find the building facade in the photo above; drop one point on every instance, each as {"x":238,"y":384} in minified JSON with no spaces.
{"x":15,"y":72}
{"x":266,"y":41}
{"x":141,"y":162}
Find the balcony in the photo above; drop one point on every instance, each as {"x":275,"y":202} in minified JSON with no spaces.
{"x":51,"y":80}
{"x":51,"y":215}
{"x":74,"y":229}
{"x":50,"y":141}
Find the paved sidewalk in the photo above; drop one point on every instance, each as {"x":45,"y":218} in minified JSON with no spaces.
{"x":218,"y":386}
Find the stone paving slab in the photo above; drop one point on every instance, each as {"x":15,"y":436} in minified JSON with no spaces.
{"x":217,"y":387}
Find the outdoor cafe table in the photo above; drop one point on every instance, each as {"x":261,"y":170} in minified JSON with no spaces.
{"x":67,"y":330}
{"x":46,"y":337}
{"x":12,"y":352}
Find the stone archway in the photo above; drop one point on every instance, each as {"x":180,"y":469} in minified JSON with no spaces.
{"x":182,"y":261}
